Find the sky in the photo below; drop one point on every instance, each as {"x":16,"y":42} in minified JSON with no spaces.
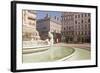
{"x":42,"y":14}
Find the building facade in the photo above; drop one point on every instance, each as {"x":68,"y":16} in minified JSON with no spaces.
{"x":76,"y":27}
{"x":29,"y":26}
{"x":49,"y":24}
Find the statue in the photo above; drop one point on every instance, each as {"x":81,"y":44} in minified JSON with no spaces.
{"x":51,"y":38}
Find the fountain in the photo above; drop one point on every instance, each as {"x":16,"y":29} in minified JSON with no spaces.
{"x":39,"y":45}
{"x":46,"y":51}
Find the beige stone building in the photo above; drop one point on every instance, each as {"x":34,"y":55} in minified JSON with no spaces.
{"x":29,"y":26}
{"x":76,"y":27}
{"x":49,"y":24}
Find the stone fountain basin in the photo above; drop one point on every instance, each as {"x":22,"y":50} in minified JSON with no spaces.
{"x":50,"y":54}
{"x":29,"y":50}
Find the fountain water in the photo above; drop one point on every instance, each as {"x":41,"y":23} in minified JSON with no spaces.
{"x":51,"y":44}
{"x":51,"y":38}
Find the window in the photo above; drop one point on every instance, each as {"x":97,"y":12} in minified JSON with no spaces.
{"x":89,"y":20}
{"x":75,"y":16}
{"x":75,"y":22}
{"x":82,"y":21}
{"x":88,"y":14}
{"x":78,"y":22}
{"x":86,"y":26}
{"x":78,"y":16}
{"x":81,"y":26}
{"x":69,"y":28}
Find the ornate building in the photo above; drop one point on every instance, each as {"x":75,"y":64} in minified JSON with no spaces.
{"x":29,"y":26}
{"x":76,"y":27}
